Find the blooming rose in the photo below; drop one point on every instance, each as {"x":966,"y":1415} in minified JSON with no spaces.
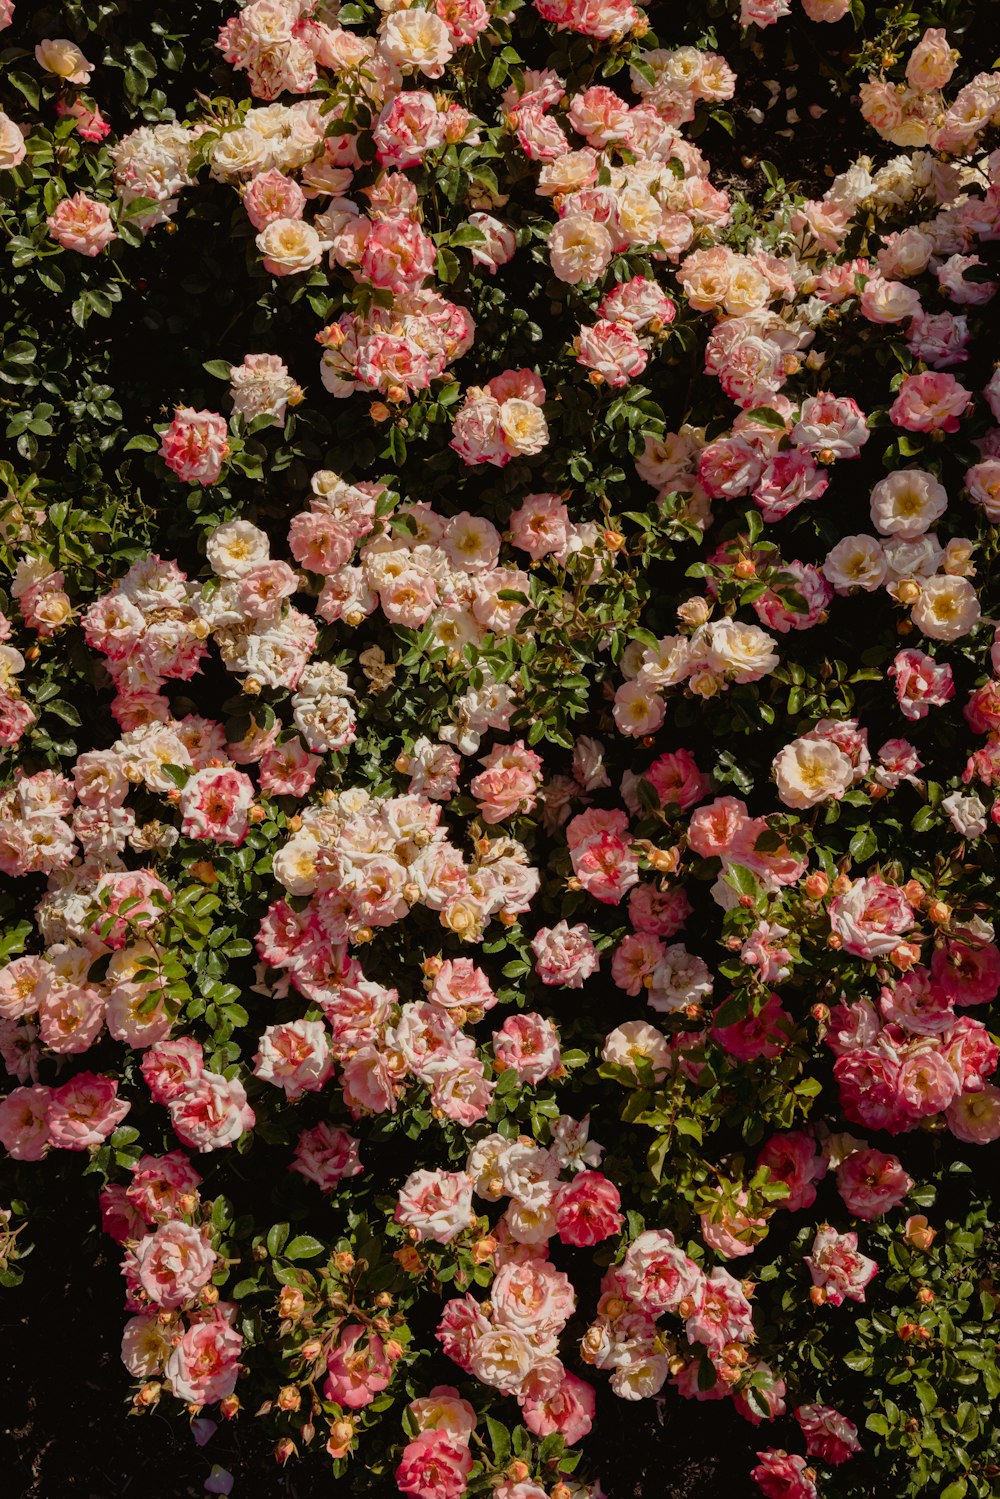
{"x":326,"y":1155}
{"x":12,"y":147}
{"x":295,"y":1056}
{"x":290,"y":246}
{"x":871,"y":1183}
{"x":436,"y":1204}
{"x":810,"y":770}
{"x":564,"y":955}
{"x":435,"y":1465}
{"x":829,"y":1435}
{"x":202,"y":1367}
{"x":82,"y":224}
{"x":214,"y":804}
{"x":780,"y":1475}
{"x":946,"y":608}
{"x":173,"y":1264}
{"x":587,"y":1209}
{"x":837,"y":1268}
{"x":871,"y":917}
{"x":356,"y":1375}
{"x":64,"y":59}
{"x":211,"y":1112}
{"x":196,"y":445}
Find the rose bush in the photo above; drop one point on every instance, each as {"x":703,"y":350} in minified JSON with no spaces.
{"x":499,"y":704}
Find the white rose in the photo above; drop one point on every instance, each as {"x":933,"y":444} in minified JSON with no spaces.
{"x":417,"y":39}
{"x":743,"y":652}
{"x":907,"y":502}
{"x":241,"y":153}
{"x":11,"y":144}
{"x":809,"y":771}
{"x":580,"y":249}
{"x":856,"y":562}
{"x":947,"y":607}
{"x":235,"y":547}
{"x":290,"y":246}
{"x":967,"y":813}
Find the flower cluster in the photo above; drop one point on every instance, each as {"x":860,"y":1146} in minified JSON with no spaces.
{"x":577,"y":707}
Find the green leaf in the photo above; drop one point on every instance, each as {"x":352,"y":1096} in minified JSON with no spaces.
{"x":304,"y":1247}
{"x":276,"y":1239}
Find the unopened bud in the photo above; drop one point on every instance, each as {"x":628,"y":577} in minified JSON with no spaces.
{"x":904,"y":956}
{"x":694,"y":612}
{"x":229,"y":1406}
{"x":291,"y":1302}
{"x":289,"y":1398}
{"x":918,"y":1232}
{"x":938,"y":913}
{"x":817,"y":884}
{"x":311,"y":1349}
{"x":284,"y":1449}
{"x":817,"y":1295}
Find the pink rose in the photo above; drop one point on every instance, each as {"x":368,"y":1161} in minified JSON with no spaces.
{"x":780,"y":1475}
{"x":921,"y":684}
{"x":871,"y":1183}
{"x":837,"y":1268}
{"x":214,"y":804}
{"x":657,"y":1275}
{"x":930,"y":402}
{"x":436,"y":1204}
{"x":24,"y":1128}
{"x":295,"y":1056}
{"x":530,"y":1045}
{"x":212,"y":1112}
{"x":569,"y":1410}
{"x":173,"y":1263}
{"x":564,"y":955}
{"x":829,"y":1436}
{"x":195,"y":445}
{"x":434,"y":1466}
{"x":587,"y":1209}
{"x":202,"y":1367}
{"x":356,"y":1375}
{"x":158,"y":1183}
{"x":171,"y":1067}
{"x":871,"y":917}
{"x":85,"y":1111}
{"x":82,"y":224}
{"x":326,"y":1155}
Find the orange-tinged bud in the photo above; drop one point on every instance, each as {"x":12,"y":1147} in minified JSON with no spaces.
{"x":918,"y":1232}
{"x":229,"y":1406}
{"x":291,"y":1302}
{"x":289,"y":1398}
{"x":817,"y":884}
